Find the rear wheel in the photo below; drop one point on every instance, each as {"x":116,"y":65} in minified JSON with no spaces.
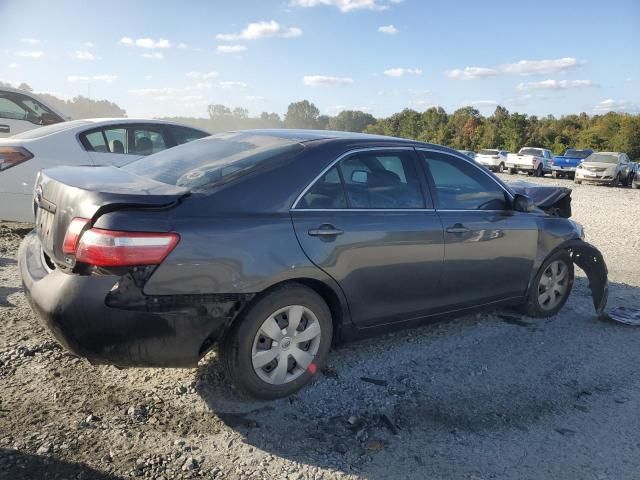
{"x":551,"y":287}
{"x":501,"y":167}
{"x":539,"y":171}
{"x":512,"y":171}
{"x":279,"y":343}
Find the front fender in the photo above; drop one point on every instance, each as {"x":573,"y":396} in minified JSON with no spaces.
{"x":591,"y":261}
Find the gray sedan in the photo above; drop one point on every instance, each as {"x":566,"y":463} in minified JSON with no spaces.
{"x":276,"y":243}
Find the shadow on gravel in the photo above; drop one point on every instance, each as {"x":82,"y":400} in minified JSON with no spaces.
{"x":7,"y":261}
{"x":4,"y":293}
{"x":16,"y":465}
{"x":396,"y":399}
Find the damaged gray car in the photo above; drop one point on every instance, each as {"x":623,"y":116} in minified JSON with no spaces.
{"x":275,"y":244}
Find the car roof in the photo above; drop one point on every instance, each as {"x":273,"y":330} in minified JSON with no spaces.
{"x":302,"y":135}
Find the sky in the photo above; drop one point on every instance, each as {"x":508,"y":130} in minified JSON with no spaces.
{"x":170,"y":58}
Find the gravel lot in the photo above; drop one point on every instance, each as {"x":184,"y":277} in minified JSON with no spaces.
{"x":492,"y":395}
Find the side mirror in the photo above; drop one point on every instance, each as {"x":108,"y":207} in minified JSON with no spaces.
{"x":522,"y":203}
{"x":360,"y":176}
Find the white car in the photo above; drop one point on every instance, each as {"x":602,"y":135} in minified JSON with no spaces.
{"x":532,"y":160}
{"x":494,"y":159}
{"x":468,"y":153}
{"x":612,"y":168}
{"x":79,"y":142}
{"x":21,"y":111}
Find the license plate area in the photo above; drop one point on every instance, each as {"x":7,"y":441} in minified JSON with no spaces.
{"x":44,"y":228}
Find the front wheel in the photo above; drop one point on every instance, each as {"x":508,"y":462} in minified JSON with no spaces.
{"x":539,"y":171}
{"x":551,"y":286}
{"x":280,"y":343}
{"x":616,"y":181}
{"x":501,"y":168}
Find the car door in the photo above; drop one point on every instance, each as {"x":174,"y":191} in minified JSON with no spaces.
{"x":366,"y":222}
{"x":489,"y":248}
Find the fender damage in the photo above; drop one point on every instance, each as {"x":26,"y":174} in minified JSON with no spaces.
{"x":590,"y":260}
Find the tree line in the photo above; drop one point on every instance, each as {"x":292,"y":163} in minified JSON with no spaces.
{"x":464,"y":129}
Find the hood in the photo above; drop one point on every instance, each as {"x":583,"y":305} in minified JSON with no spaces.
{"x":552,"y":199}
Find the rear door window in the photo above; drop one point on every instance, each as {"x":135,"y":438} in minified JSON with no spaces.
{"x":327,"y":193}
{"x":459,"y":185}
{"x":11,"y":110}
{"x":96,"y":142}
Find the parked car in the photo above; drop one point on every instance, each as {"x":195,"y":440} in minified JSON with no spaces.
{"x":21,"y":111}
{"x":468,"y":153}
{"x":277,"y":243}
{"x":635,"y":183}
{"x":536,"y":161}
{"x":494,"y":159}
{"x":612,"y":168}
{"x":79,"y":142}
{"x":566,"y":164}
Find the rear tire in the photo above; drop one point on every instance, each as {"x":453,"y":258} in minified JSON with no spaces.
{"x":551,"y":286}
{"x":260,"y":342}
{"x":539,"y":171}
{"x":501,"y":168}
{"x":512,"y":171}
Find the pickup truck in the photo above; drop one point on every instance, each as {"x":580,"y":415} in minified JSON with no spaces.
{"x":532,"y":160}
{"x":565,"y":165}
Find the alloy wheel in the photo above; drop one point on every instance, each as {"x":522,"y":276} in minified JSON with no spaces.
{"x":286,"y":344}
{"x":553,"y":285}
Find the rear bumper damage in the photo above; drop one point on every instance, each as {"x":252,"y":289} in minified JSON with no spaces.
{"x":107,"y":319}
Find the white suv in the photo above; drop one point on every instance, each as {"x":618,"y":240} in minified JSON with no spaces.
{"x":494,"y":159}
{"x":21,"y":111}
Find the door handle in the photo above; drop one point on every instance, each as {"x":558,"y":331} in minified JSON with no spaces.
{"x":5,"y":129}
{"x":458,"y":228}
{"x":325,"y":230}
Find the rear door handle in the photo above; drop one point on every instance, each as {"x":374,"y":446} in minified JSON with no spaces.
{"x":458,"y":228}
{"x":5,"y":129}
{"x":325,"y":230}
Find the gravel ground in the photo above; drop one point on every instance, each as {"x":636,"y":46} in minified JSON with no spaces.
{"x":492,"y":395}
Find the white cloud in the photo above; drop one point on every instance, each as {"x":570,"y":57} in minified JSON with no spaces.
{"x":30,"y":41}
{"x":30,"y":53}
{"x":401,"y":72}
{"x":263,"y":29}
{"x":200,"y":75}
{"x":255,"y":98}
{"x":471,"y":73}
{"x":611,"y":105}
{"x":153,"y":55}
{"x":231,"y":84}
{"x":343,"y":5}
{"x":149,"y":43}
{"x":388,"y":29}
{"x":424,"y":104}
{"x":182,"y":46}
{"x":95,"y":78}
{"x":480,"y":103}
{"x":555,"y":85}
{"x":325,"y":81}
{"x":83,"y":55}
{"x":13,"y":65}
{"x":230,"y":48}
{"x":89,"y":44}
{"x":523,"y":67}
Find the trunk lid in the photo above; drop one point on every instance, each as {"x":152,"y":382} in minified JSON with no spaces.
{"x":63,"y":193}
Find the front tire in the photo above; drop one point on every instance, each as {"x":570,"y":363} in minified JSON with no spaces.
{"x":539,"y":171}
{"x":551,"y":286}
{"x":501,"y":167}
{"x":279,"y":343}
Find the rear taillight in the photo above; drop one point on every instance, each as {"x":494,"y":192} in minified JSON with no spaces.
{"x":74,"y":230}
{"x":552,"y":162}
{"x":12,"y":156}
{"x":107,"y":248}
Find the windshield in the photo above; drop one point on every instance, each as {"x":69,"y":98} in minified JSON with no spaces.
{"x":536,"y":152}
{"x":602,"y":158}
{"x":488,"y":152}
{"x":18,"y":106}
{"x":577,"y":153}
{"x":213,"y":160}
{"x":48,"y":130}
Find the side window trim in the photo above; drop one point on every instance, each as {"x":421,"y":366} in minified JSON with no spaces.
{"x":352,"y":152}
{"x":431,"y":182}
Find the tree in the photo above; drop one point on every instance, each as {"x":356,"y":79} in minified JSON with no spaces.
{"x":351,"y":121}
{"x":303,"y":114}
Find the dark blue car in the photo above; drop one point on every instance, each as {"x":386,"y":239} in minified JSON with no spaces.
{"x":275,"y":244}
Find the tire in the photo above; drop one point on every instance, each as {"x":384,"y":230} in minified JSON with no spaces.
{"x":501,"y":167}
{"x":246,"y":341}
{"x":572,"y":176}
{"x":635,"y":185}
{"x":512,"y":171}
{"x":616,"y":181}
{"x":546,"y":280}
{"x":556,"y":175}
{"x":577,"y":182}
{"x":539,"y":171}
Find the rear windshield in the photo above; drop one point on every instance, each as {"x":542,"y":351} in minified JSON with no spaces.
{"x":577,"y":153}
{"x":488,"y":152}
{"x":210,"y":161}
{"x":602,"y":158}
{"x":530,"y":151}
